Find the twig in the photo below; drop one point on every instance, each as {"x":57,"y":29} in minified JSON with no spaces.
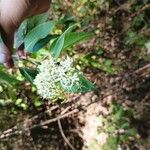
{"x":77,"y":132}
{"x":143,"y":71}
{"x":42,"y":113}
{"x":16,"y":130}
{"x":145,"y":32}
{"x":131,"y":17}
{"x":63,"y":135}
{"x":65,"y":110}
{"x":140,"y":10}
{"x":3,"y":136}
{"x":55,"y":119}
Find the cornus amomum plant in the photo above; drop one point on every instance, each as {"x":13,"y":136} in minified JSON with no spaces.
{"x":54,"y":76}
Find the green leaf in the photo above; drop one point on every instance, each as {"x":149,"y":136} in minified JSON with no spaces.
{"x":131,"y":132}
{"x":75,"y":37}
{"x":41,"y":43}
{"x":125,"y":125}
{"x":108,"y":63}
{"x":107,"y":66}
{"x":72,"y":38}
{"x":65,"y":20}
{"x":57,"y":47}
{"x":85,"y":86}
{"x":34,"y":21}
{"x":29,"y":74}
{"x":120,"y":113}
{"x":8,"y":79}
{"x":20,"y":35}
{"x":38,"y":33}
{"x":27,"y":26}
{"x":112,"y":144}
{"x":18,"y":101}
{"x":38,"y":103}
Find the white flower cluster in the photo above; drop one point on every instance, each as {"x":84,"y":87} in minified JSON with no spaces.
{"x":54,"y":78}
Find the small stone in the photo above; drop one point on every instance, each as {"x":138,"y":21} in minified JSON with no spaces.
{"x":94,"y":98}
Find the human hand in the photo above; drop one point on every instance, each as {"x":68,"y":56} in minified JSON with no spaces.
{"x":12,"y":13}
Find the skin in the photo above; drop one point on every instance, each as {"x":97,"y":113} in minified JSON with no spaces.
{"x":12,"y":13}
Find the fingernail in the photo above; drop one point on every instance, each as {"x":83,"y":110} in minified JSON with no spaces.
{"x":3,"y":53}
{"x":23,"y":57}
{"x":22,"y":54}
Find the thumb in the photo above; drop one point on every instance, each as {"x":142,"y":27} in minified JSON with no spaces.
{"x":6,"y":46}
{"x":5,"y":56}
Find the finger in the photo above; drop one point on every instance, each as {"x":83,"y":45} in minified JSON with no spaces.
{"x":21,"y":53}
{"x":5,"y":56}
{"x":38,"y":7}
{"x":6,"y":48}
{"x":43,"y":5}
{"x":9,"y":64}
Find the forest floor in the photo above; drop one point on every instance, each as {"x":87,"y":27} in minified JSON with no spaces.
{"x":117,"y":59}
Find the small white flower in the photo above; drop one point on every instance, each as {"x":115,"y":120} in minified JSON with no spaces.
{"x":54,"y":78}
{"x":66,"y":64}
